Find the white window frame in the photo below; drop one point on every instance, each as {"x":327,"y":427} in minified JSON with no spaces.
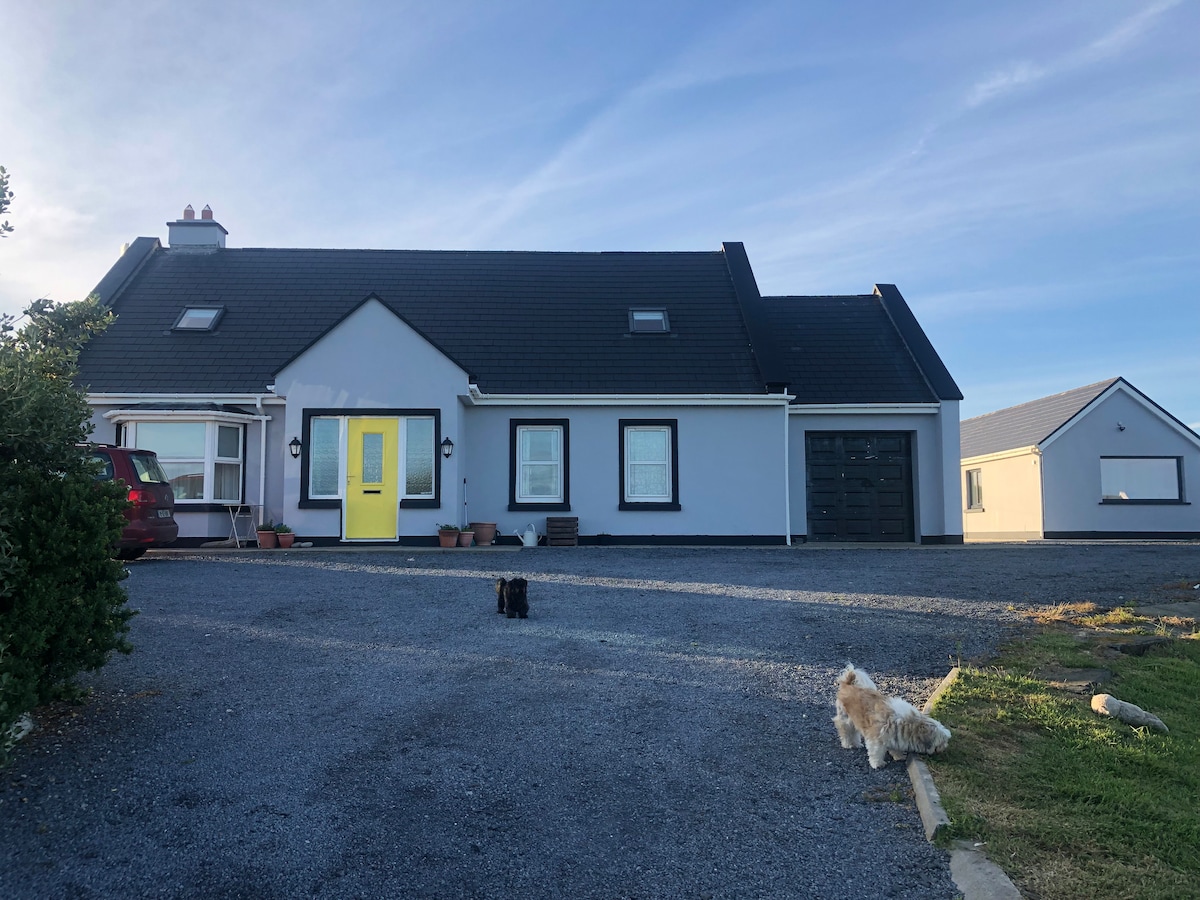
{"x":210,"y":458}
{"x":631,"y":464}
{"x":434,"y":450}
{"x":668,"y":501}
{"x":556,"y":464}
{"x":341,"y":458}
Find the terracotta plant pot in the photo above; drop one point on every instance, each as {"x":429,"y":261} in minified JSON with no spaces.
{"x":266,"y":539}
{"x":485,"y":533}
{"x":285,"y":538}
{"x":447,"y":538}
{"x":465,"y":538}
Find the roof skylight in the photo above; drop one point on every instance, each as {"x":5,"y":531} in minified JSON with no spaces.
{"x":198,"y":318}
{"x":652,"y":321}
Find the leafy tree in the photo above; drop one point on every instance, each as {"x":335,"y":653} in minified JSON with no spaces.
{"x":62,"y":607}
{"x":5,"y":197}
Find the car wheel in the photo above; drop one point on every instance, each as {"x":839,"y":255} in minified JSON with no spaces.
{"x":131,"y":553}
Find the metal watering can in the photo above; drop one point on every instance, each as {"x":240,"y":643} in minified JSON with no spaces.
{"x":530,"y":538}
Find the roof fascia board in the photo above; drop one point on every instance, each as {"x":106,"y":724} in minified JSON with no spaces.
{"x":128,"y":264}
{"x":357,"y":306}
{"x":750,"y":303}
{"x":937,"y":376}
{"x":1031,"y":450}
{"x":817,"y":409}
{"x":102,"y":399}
{"x":171,"y":415}
{"x":478,"y":398}
{"x":1124,"y":387}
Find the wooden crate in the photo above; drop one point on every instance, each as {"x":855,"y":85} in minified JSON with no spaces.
{"x":562,"y":531}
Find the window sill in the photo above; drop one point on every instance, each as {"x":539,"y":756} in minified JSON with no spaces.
{"x":305,"y":503}
{"x":1108,"y":502}
{"x":207,"y":506}
{"x":629,"y":506}
{"x":539,"y":507}
{"x":974,"y":510}
{"x":420,"y":503}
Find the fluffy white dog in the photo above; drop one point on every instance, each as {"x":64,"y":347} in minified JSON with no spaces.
{"x":887,"y":724}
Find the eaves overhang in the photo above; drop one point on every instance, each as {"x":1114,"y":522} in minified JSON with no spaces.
{"x":1032,"y":450}
{"x":862,"y":409}
{"x":476,"y":397}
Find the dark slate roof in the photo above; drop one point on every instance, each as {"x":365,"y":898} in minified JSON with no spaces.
{"x":1027,"y":424}
{"x":516,"y":321}
{"x":843,"y":349}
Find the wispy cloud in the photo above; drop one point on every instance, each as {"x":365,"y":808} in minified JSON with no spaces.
{"x":1025,"y":73}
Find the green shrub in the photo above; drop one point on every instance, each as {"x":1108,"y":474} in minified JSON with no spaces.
{"x":62,"y":608}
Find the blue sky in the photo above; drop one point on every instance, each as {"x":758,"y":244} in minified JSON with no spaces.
{"x":1028,"y":174}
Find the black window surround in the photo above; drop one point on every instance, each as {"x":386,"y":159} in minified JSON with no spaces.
{"x":673,"y":504}
{"x":1178,"y":500}
{"x":309,"y":414}
{"x":514,"y":461}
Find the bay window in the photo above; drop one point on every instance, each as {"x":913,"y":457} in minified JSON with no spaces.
{"x":203,"y":459}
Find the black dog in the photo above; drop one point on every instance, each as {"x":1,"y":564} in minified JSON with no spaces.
{"x":512,"y":597}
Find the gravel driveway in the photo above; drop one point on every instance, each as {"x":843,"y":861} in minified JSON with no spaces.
{"x":338,"y":724}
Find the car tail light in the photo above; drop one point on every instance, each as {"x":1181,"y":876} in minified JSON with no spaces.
{"x":140,"y":497}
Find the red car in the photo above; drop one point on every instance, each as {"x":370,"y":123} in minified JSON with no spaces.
{"x":151,"y":518}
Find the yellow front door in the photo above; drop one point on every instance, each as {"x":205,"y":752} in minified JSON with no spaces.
{"x":372,"y":479}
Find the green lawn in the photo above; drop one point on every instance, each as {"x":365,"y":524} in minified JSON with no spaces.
{"x":1072,"y":804}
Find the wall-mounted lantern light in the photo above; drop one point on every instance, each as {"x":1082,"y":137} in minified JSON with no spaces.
{"x":1120,"y":426}
{"x":295,"y":446}
{"x":447,"y":447}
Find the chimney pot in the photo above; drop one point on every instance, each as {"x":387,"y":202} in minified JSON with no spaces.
{"x":188,"y":213}
{"x":206,"y":213}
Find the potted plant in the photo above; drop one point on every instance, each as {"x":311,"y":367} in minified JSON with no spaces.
{"x":465,"y":536}
{"x":447,"y":535}
{"x":266,"y":535}
{"x":485,"y":533}
{"x":285,"y":535}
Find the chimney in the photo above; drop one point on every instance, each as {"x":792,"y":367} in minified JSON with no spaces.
{"x":190,"y":233}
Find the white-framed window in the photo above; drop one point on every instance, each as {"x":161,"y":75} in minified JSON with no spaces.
{"x":540,"y":474}
{"x":325,"y":451}
{"x":418,"y":453}
{"x":649,"y":464}
{"x":326,"y":462}
{"x":974,"y":489}
{"x":1141,"y":479}
{"x":203,"y":459}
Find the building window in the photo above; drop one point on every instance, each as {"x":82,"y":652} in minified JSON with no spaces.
{"x":203,"y":460}
{"x":649,"y":459}
{"x":649,"y":321}
{"x":1141,"y":479}
{"x":539,"y":478}
{"x":198,"y":318}
{"x":974,"y":489}
{"x":325,"y":449}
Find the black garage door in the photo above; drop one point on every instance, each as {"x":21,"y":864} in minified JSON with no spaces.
{"x":859,"y":486}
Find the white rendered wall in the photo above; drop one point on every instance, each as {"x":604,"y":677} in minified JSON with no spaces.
{"x":1072,"y":471}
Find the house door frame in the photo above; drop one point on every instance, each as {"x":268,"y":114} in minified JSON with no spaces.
{"x":371,"y":502}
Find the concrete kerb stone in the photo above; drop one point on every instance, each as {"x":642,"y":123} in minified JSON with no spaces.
{"x":973,"y":873}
